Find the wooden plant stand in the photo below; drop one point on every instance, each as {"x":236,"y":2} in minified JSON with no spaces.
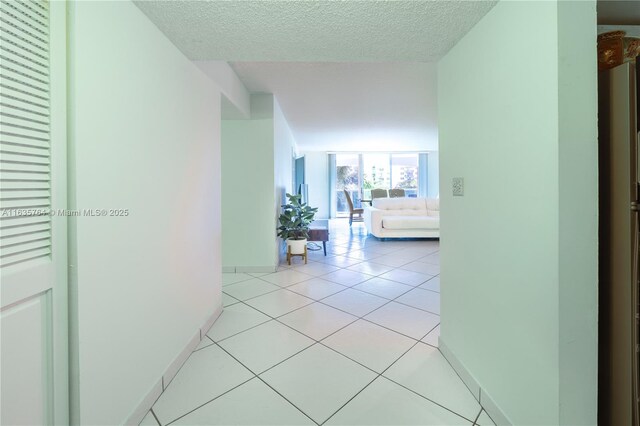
{"x":290,"y":255}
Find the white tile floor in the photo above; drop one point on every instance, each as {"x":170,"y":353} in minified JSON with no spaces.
{"x":348,"y":339}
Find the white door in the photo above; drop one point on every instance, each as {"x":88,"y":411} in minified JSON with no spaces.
{"x":33,"y":250}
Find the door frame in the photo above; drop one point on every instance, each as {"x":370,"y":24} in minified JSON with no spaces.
{"x":59,"y":191}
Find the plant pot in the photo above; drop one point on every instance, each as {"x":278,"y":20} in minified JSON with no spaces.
{"x":297,"y":246}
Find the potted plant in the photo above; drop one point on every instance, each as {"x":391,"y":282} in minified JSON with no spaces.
{"x":294,"y":223}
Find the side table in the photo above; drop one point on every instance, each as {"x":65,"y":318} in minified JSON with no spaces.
{"x":319,"y":231}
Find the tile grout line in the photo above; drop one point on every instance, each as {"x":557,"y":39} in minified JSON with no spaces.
{"x":349,"y":313}
{"x":250,"y":328}
{"x":475,"y":421}
{"x":331,"y":334}
{"x":415,"y":307}
{"x":392,"y":268}
{"x":321,"y":341}
{"x":320,"y":301}
{"x":211,"y":400}
{"x":428,"y":399}
{"x":204,"y":347}
{"x":369,"y":313}
{"x":387,"y":378}
{"x":262,"y":380}
{"x":350,"y":399}
{"x":400,"y":384}
{"x":413,"y":287}
{"x":315,"y":341}
{"x":286,"y":399}
{"x":457,"y":374}
{"x":154,"y":416}
{"x":416,"y":342}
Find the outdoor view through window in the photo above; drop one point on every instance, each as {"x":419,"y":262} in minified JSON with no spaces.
{"x":360,"y":173}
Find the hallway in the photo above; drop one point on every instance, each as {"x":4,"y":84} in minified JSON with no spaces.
{"x":350,"y":338}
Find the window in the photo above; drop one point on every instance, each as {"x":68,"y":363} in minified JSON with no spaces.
{"x":347,"y":177}
{"x":404,"y":173}
{"x":376,"y":173}
{"x":360,"y":173}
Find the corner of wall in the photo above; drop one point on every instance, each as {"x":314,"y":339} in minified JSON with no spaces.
{"x":249,"y":145}
{"x":481,"y":395}
{"x":156,"y":390}
{"x":578,"y":212}
{"x":262,"y":105}
{"x":235,"y":96}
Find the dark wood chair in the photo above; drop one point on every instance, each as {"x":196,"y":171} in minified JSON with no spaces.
{"x":396,"y":193}
{"x":379,"y":193}
{"x":353,"y":211}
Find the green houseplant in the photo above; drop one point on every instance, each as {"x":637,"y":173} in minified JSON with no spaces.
{"x":294,"y":222}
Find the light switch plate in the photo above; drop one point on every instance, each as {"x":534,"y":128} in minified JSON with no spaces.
{"x":458,"y":186}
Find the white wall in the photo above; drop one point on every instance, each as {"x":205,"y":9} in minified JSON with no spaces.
{"x":248,"y":236}
{"x":256,"y":173}
{"x":513,"y":284}
{"x":316,"y":174}
{"x":144,"y":136}
{"x":284,"y":150}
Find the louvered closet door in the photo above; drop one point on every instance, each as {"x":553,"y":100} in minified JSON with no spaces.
{"x":33,"y":255}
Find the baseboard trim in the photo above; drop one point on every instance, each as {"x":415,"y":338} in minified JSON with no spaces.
{"x":255,"y":269}
{"x":492,"y":409}
{"x":462,"y":371}
{"x":487,"y":403}
{"x":209,"y":323}
{"x":145,"y":405}
{"x":240,"y":269}
{"x":177,"y":362}
{"x":152,"y":396}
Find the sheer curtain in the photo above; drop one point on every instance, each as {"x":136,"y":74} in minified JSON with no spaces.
{"x":423,"y":170}
{"x":332,"y":186}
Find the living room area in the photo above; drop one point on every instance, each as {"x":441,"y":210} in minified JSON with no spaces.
{"x":338,"y":130}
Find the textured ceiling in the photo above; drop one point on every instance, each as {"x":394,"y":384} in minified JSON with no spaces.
{"x":349,"y":75}
{"x":352,"y":106}
{"x":298,"y":30}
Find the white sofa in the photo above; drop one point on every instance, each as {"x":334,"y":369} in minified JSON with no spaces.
{"x":403,"y":218}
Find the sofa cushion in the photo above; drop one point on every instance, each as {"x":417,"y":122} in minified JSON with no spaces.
{"x":410,"y":222}
{"x":401,"y":203}
{"x":433,"y":204}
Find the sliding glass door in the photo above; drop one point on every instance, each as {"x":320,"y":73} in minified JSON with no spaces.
{"x":404,"y":173}
{"x":375,"y":172}
{"x":347,"y":177}
{"x":360,"y":173}
{"x":388,"y":171}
